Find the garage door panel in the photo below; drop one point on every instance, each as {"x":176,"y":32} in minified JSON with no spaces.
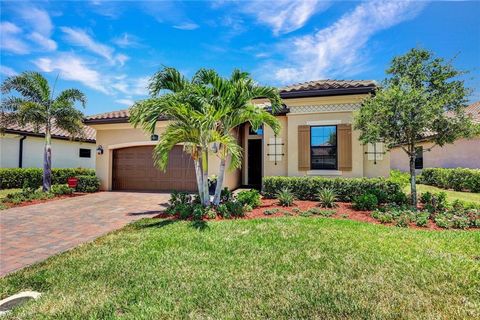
{"x":134,"y":169}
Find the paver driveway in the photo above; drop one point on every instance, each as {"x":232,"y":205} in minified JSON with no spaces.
{"x":33,"y":233}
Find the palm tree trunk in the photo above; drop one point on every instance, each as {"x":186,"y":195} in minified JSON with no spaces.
{"x":199,"y":176}
{"x":206,"y":199}
{"x":47,"y":161}
{"x":218,"y":189}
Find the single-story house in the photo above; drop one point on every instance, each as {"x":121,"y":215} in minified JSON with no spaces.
{"x":316,"y":139}
{"x":22,"y":147}
{"x":463,"y":153}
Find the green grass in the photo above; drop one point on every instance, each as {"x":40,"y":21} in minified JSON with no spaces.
{"x":283,"y":268}
{"x":4,"y":192}
{"x":451,"y":195}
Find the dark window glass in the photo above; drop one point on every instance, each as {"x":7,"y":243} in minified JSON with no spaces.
{"x":419,"y":158}
{"x":85,"y":153}
{"x":323,"y":148}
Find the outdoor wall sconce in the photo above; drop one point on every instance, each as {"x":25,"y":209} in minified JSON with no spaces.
{"x":154,"y":137}
{"x":100,"y":150}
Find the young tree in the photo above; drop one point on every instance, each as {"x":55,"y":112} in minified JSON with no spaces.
{"x":232,"y":99}
{"x":35,"y":104}
{"x":422,"y":97}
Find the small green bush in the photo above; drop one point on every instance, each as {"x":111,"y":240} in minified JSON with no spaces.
{"x":61,"y":189}
{"x":235,"y":208}
{"x":226,"y":195}
{"x":13,"y":178}
{"x":366,"y":201}
{"x":307,"y":188}
{"x":402,"y":178}
{"x":249,"y":197}
{"x":270,"y":212}
{"x":285,"y":197}
{"x":459,"y":179}
{"x":222,"y":211}
{"x":88,"y":184}
{"x":327,"y":198}
{"x":434,"y":202}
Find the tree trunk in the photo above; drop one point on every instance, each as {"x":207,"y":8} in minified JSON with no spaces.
{"x":206,"y":199}
{"x":413,"y":182}
{"x":199,"y":176}
{"x":47,"y":161}
{"x":221,"y":174}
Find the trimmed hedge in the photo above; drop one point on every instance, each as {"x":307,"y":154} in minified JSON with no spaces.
{"x":307,"y":188}
{"x":88,"y":184}
{"x":16,"y":177}
{"x":459,"y":179}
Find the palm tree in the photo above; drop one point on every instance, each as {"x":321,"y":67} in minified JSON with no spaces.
{"x":232,"y":99}
{"x":193,"y":121}
{"x":35,"y":104}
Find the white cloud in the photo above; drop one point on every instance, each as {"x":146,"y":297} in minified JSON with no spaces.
{"x":283,"y":16}
{"x":186,"y":26}
{"x":40,"y":25}
{"x":339,"y":48}
{"x":10,"y":39}
{"x":127,"y":102}
{"x":80,"y":38}
{"x":73,"y":68}
{"x":7,"y":71}
{"x":127,"y":40}
{"x":45,"y":43}
{"x":132,"y":86}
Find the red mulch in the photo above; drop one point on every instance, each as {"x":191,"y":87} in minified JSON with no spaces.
{"x":37,"y":201}
{"x":343,"y":210}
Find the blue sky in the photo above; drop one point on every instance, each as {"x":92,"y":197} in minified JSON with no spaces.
{"x":109,"y":49}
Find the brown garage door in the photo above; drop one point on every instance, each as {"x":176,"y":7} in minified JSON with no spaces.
{"x":133,"y":169}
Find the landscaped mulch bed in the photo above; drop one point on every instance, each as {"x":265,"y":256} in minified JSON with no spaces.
{"x":37,"y":201}
{"x":344,"y":210}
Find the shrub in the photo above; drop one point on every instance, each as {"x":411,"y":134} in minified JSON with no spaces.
{"x":327,"y":198}
{"x":434,"y":202}
{"x":459,"y":179}
{"x":222,"y":211}
{"x":421,"y":219}
{"x":177,"y":198}
{"x":235,"y":208}
{"x":285,"y":197}
{"x":210,"y":213}
{"x":324,"y":213}
{"x":16,"y":177}
{"x":247,"y":208}
{"x":403,"y":220}
{"x":385,"y":218}
{"x":307,"y":188}
{"x":402,"y":178}
{"x":367,"y":201}
{"x":443,"y":222}
{"x":88,"y":184}
{"x":249,"y":197}
{"x":226,"y":195}
{"x":61,"y":189}
{"x":269,"y":212}
{"x":460,"y":222}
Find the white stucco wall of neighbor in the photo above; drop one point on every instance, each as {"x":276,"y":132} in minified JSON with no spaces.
{"x":65,"y":153}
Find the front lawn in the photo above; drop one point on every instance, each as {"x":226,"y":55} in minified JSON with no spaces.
{"x":451,"y":195}
{"x":284,"y":268}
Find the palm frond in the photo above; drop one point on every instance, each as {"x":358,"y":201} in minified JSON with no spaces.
{"x":167,"y":79}
{"x":31,"y":85}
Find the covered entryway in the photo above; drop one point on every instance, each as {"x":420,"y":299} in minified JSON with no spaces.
{"x":133,"y":169}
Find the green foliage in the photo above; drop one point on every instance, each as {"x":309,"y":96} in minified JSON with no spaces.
{"x":226,"y":195}
{"x":366,"y":201}
{"x":16,"y":177}
{"x":177,"y":198}
{"x":249,"y":197}
{"x":61,"y":189}
{"x":327,"y":198}
{"x":285,"y":197}
{"x":321,"y":212}
{"x":459,"y":179}
{"x":247,"y":208}
{"x":26,"y":195}
{"x":270,"y":212}
{"x":88,"y":184}
{"x":307,"y":188}
{"x":222,"y":211}
{"x":434,"y":202}
{"x":402,"y":178}
{"x":235,"y":208}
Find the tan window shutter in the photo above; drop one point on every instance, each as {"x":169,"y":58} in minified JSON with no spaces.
{"x":344,"y":147}
{"x":303,"y":148}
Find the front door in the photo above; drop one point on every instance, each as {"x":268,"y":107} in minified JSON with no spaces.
{"x":255,"y":163}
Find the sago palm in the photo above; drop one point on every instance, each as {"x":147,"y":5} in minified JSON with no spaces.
{"x":233,"y":102}
{"x":35,"y":104}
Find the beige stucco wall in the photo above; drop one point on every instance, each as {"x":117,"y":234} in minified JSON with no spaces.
{"x":115,"y":136}
{"x":269,"y":167}
{"x":65,"y":153}
{"x":464,"y":153}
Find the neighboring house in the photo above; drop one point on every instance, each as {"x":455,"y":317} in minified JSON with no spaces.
{"x":316,"y":140}
{"x":463,"y":153}
{"x":22,"y":147}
